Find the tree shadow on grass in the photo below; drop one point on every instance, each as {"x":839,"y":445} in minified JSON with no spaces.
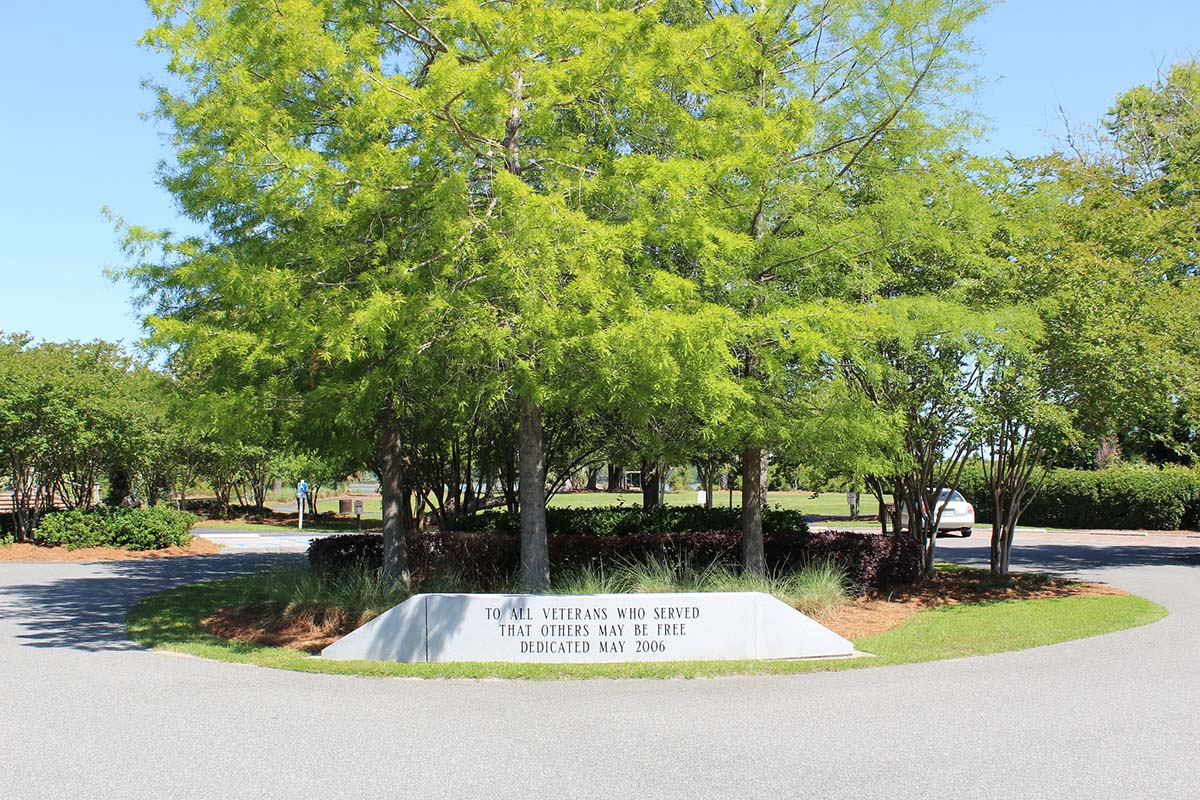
{"x":87,"y":611}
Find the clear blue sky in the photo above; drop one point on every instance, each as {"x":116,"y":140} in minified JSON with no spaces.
{"x":72,"y":141}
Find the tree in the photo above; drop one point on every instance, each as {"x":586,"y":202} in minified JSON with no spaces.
{"x":24,"y":444}
{"x":69,"y":416}
{"x":1101,"y":244}
{"x":395,"y":203}
{"x":761,"y":194}
{"x":921,"y":369}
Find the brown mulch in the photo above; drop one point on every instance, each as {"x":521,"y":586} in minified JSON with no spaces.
{"x":250,"y":624}
{"x":33,"y":552}
{"x":858,"y":619}
{"x":874,"y":614}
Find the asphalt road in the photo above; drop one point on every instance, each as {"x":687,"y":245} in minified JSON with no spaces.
{"x":85,"y":713}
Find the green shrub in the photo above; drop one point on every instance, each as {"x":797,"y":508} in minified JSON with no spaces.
{"x":1126,"y":497}
{"x":627,"y":520}
{"x":74,"y":529}
{"x":132,"y":528}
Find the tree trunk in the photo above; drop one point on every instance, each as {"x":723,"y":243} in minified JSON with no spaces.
{"x":616,"y":478}
{"x":511,"y":501}
{"x":922,"y":527}
{"x":1004,"y":529}
{"x":754,"y":500}
{"x":708,"y":484}
{"x":996,"y":545}
{"x":930,"y":554}
{"x":651,"y":491}
{"x":1108,"y":451}
{"x":706,"y":470}
{"x":535,"y":556}
{"x":391,"y":483}
{"x":593,"y":481}
{"x":119,"y":487}
{"x":1009,"y":533}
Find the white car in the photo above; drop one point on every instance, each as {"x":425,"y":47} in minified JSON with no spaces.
{"x":957,"y":513}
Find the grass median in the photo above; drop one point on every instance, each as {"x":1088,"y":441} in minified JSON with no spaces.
{"x":172,"y":620}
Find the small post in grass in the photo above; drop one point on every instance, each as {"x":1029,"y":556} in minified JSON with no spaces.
{"x":358,"y":512}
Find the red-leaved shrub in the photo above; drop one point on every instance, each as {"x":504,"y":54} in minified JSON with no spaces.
{"x":488,"y":560}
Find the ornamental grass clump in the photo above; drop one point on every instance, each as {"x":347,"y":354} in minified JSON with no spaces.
{"x":659,"y":573}
{"x":338,"y":600}
{"x":819,"y":586}
{"x":591,"y":579}
{"x":812,"y":589}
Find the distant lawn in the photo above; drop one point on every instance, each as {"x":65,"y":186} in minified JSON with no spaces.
{"x":171,"y":620}
{"x":825,"y":504}
{"x":261,"y":527}
{"x":371,"y":507}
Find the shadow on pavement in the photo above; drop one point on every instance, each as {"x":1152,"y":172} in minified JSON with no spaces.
{"x":1072,"y":557}
{"x":87,"y":612}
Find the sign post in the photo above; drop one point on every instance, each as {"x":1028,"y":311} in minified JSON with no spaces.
{"x":301,"y":497}
{"x":358,"y":512}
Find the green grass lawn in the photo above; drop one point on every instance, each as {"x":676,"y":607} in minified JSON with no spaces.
{"x":825,"y":504}
{"x":171,"y":621}
{"x":371,"y":506}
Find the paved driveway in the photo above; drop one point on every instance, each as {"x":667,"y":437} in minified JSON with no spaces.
{"x":84,"y":713}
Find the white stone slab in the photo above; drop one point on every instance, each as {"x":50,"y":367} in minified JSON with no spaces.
{"x":590,"y":629}
{"x":398,"y":634}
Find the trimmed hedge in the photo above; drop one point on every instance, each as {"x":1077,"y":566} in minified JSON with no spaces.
{"x":627,"y":520}
{"x":871,"y":561}
{"x":1126,"y":497}
{"x":150,"y":528}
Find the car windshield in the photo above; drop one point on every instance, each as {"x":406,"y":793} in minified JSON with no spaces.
{"x":949,"y":496}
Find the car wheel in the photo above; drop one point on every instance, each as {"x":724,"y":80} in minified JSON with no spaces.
{"x":966,"y":532}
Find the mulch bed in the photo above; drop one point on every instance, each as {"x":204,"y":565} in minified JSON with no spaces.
{"x":34,"y":552}
{"x":858,"y":619}
{"x":251,"y":624}
{"x":874,"y":614}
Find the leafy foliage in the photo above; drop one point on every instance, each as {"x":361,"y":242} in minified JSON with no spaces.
{"x":625,"y":520}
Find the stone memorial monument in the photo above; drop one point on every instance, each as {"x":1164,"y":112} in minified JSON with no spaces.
{"x":590,"y":629}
